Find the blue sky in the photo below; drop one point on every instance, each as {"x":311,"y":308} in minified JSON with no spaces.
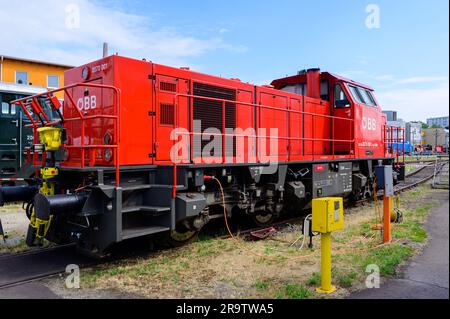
{"x":405,"y":59}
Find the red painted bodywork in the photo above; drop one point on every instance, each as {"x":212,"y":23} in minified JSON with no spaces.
{"x":309,"y":129}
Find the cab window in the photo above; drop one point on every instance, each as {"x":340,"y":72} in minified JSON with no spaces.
{"x":324,"y":90}
{"x":356,"y":94}
{"x":362,"y":96}
{"x":340,"y":99}
{"x":299,"y":88}
{"x":368,"y":97}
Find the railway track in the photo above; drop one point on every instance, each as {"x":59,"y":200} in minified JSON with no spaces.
{"x":20,"y":268}
{"x":420,"y":176}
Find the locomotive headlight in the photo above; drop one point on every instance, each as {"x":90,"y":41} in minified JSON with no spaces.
{"x":107,"y":155}
{"x":85,"y":73}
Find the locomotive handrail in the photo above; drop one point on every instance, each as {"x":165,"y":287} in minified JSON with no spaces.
{"x":391,"y":137}
{"x":40,"y":112}
{"x":224,"y":135}
{"x":268,"y":136}
{"x":259,"y":105}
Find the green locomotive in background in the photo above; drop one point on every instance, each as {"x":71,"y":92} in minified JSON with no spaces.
{"x":16,"y":140}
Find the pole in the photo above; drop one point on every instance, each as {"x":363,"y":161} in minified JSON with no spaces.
{"x":2,"y":233}
{"x":105,"y":49}
{"x":326,"y":287}
{"x":387,"y":208}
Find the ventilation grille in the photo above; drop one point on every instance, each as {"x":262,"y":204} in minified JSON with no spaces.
{"x":166,"y":112}
{"x":210,"y":112}
{"x":167,"y":86}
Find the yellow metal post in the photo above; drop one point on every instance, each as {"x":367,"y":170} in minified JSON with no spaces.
{"x":326,"y":286}
{"x":387,"y":208}
{"x":327,"y":216}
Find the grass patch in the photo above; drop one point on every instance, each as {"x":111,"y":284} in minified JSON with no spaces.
{"x":18,"y":246}
{"x":211,"y":247}
{"x":294,"y":291}
{"x":261,"y":285}
{"x":345,"y":278}
{"x":419,"y":158}
{"x":387,"y":258}
{"x":410,"y":229}
{"x":423,"y":210}
{"x":314,"y":280}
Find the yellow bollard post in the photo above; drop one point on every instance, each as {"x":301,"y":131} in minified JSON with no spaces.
{"x":325,"y":268}
{"x":327,"y":216}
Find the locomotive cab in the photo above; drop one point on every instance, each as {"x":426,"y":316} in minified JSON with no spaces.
{"x":357,"y":121}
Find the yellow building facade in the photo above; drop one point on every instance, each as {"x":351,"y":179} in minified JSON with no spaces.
{"x":33,"y":73}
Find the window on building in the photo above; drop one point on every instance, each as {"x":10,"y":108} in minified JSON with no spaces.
{"x":5,"y":108}
{"x":53,"y":81}
{"x":21,"y":77}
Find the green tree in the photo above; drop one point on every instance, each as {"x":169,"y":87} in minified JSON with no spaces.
{"x":425,"y":125}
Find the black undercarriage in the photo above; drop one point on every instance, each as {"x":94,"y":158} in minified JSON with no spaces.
{"x":91,"y":211}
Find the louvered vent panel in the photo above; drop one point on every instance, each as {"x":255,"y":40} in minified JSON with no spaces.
{"x":166,"y":114}
{"x":210,"y":112}
{"x":167,"y":86}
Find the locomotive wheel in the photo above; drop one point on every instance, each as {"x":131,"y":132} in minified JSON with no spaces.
{"x":180,"y":237}
{"x":262,"y":219}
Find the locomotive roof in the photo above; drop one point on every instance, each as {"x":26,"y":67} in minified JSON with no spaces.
{"x":21,"y":88}
{"x":302,"y":77}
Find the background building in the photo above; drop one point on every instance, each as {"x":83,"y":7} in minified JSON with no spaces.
{"x":438,"y":121}
{"x":39,"y":74}
{"x":435,"y":136}
{"x":391,"y":115}
{"x":413,"y":132}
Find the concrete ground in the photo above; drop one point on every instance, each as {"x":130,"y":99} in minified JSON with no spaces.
{"x":32,"y":290}
{"x":427,"y":276}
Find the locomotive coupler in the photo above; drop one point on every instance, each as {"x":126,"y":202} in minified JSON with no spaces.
{"x":50,"y":138}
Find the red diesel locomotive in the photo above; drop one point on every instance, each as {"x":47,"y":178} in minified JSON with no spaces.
{"x":142,"y":141}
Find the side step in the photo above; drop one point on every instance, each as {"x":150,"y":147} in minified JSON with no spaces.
{"x":127,"y":188}
{"x":146,"y":209}
{"x":136,"y":187}
{"x":142,"y":231}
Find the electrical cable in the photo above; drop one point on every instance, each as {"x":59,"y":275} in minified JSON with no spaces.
{"x":236,"y":239}
{"x":270,"y":257}
{"x":304,"y":237}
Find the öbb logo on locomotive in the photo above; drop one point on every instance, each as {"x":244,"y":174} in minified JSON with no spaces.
{"x":87,"y":103}
{"x":135,"y":163}
{"x":369,"y":123}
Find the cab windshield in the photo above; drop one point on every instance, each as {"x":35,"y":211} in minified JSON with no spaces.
{"x":362,"y":95}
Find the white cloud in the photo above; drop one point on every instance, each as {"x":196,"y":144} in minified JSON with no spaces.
{"x":384,"y":77}
{"x":422,"y":79}
{"x":38,"y":30}
{"x":352,"y":73}
{"x":417,"y":104}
